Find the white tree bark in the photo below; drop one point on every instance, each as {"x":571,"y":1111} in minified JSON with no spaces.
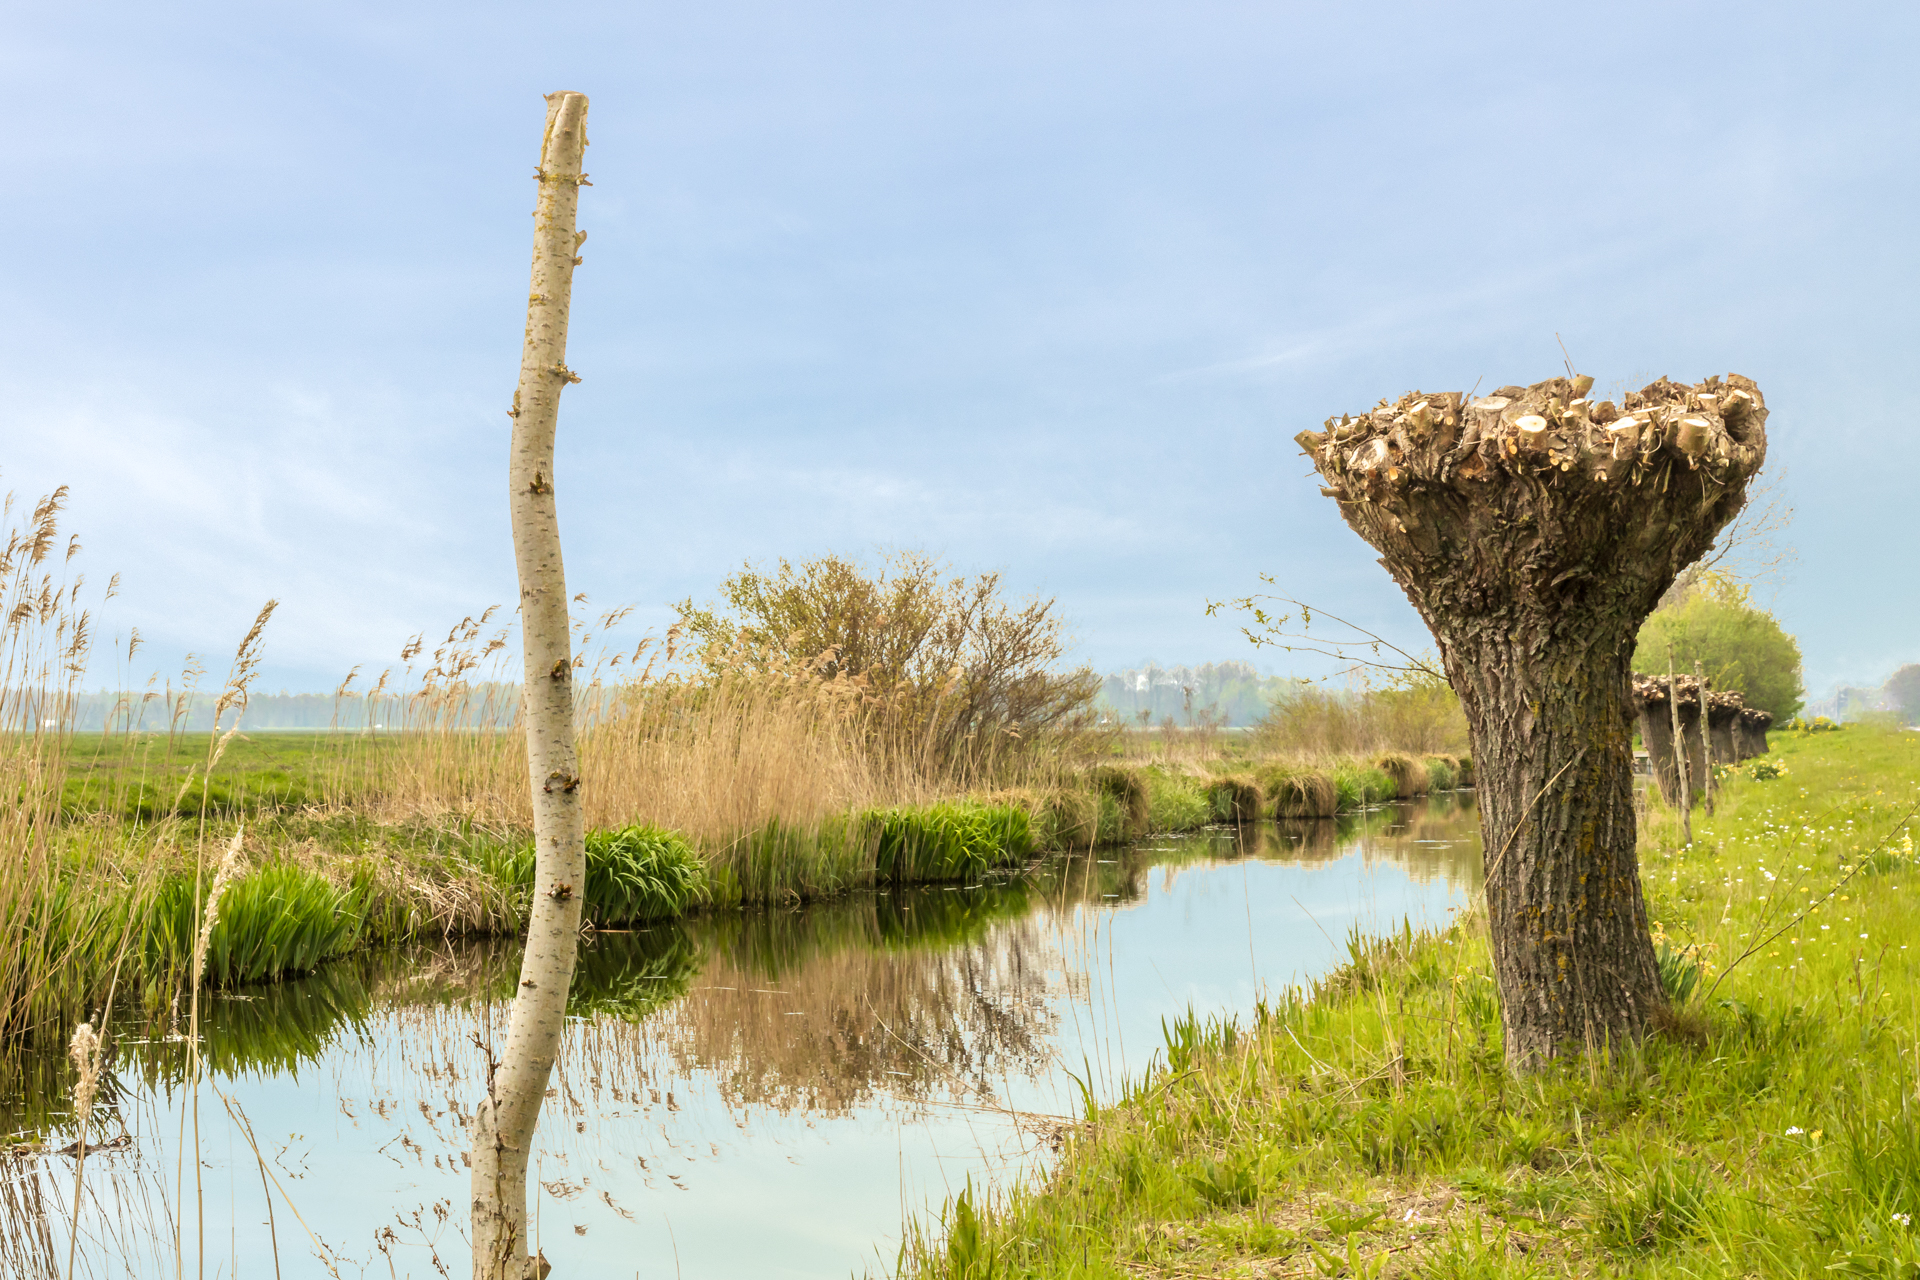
{"x":503,"y":1124}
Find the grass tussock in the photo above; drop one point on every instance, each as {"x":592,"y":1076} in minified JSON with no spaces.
{"x":1301,"y":792}
{"x":1240,"y":799}
{"x":1369,"y":1126}
{"x":1127,"y":788}
{"x":1409,"y":776}
{"x":948,"y":841}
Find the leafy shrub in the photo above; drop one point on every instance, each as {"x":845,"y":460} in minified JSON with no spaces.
{"x":1744,"y":648}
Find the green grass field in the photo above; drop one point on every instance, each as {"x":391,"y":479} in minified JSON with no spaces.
{"x":1371,"y":1130}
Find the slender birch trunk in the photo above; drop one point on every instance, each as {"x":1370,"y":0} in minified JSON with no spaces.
{"x":503,"y":1123}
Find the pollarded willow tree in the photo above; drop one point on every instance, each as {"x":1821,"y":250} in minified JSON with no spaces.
{"x":1535,"y":530}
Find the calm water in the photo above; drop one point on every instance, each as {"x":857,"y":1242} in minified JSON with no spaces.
{"x":762,"y":1094}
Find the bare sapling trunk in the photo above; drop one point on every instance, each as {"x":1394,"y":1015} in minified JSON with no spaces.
{"x":1684,"y":789}
{"x":1534,"y":530}
{"x":1706,"y":734}
{"x":504,"y":1122}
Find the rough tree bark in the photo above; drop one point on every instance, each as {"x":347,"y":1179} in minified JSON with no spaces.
{"x":1656,"y":733}
{"x":503,"y":1123}
{"x":1534,"y":530}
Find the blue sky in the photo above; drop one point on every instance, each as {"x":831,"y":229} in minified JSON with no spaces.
{"x":1042,"y":288}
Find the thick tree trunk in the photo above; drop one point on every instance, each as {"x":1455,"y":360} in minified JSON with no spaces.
{"x":1723,"y":713}
{"x":1657,"y":720}
{"x":1703,"y":722}
{"x":1534,"y":531}
{"x":1751,"y":732}
{"x":1656,"y":734}
{"x":504,"y":1122}
{"x":1691,"y":731}
{"x":1571,"y":952}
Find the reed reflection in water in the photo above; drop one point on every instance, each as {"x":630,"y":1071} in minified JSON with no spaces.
{"x":760,"y":1094}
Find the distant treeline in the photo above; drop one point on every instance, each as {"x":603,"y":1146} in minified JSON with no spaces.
{"x":1233,"y":694}
{"x":1899,"y":696}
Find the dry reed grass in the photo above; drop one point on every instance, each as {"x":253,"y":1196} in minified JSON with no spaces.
{"x":1316,"y":724}
{"x":64,"y":889}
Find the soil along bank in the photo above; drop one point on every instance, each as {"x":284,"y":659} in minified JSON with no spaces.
{"x":1535,"y":530}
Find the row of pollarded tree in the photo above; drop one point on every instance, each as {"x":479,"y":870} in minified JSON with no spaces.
{"x":1734,"y":731}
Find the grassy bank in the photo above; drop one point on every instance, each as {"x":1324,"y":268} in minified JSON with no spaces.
{"x":1368,"y":1128}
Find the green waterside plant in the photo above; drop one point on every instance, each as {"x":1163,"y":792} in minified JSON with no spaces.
{"x":957,"y":841}
{"x":633,"y":873}
{"x":1127,"y":786}
{"x":275,"y":920}
{"x":1361,"y":787}
{"x":1239,"y":798}
{"x":1177,"y":802}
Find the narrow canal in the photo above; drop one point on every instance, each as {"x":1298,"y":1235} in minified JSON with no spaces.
{"x":763,"y":1094}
